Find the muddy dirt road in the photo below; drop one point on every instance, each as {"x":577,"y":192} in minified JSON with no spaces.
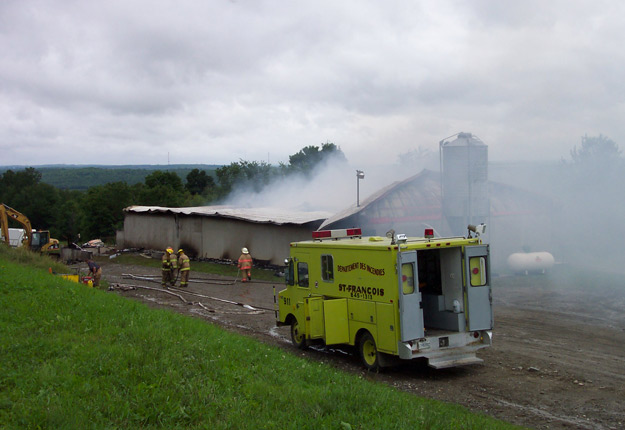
{"x":557,"y":361}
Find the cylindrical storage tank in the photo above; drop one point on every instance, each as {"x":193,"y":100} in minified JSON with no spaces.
{"x":530,"y":262}
{"x":464,"y":163}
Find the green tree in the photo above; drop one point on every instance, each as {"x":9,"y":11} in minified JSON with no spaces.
{"x":12,"y":183}
{"x":252,"y":174}
{"x":596,"y":152}
{"x":198,"y":181}
{"x":103,"y":207}
{"x":309,"y":157}
{"x":20,"y":179}
{"x":195,"y":200}
{"x":69,"y":216}
{"x":39,"y":203}
{"x":257,"y":174}
{"x":589,"y":191}
{"x":24,"y":192}
{"x":165,"y":179}
{"x":596,"y":163}
{"x":162,"y":189}
{"x":227,"y":177}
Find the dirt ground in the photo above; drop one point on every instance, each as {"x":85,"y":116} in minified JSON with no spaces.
{"x":557,"y":360}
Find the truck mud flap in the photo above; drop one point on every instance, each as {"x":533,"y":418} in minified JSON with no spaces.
{"x":446,"y":361}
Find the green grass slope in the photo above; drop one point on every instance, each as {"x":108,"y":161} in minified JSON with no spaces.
{"x":73,"y":357}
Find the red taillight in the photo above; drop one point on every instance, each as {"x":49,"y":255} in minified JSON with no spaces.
{"x":476,"y":270}
{"x":354,"y":232}
{"x":429,"y":233}
{"x":476,"y":334}
{"x":321,"y":234}
{"x":337,"y":234}
{"x":404,"y":278}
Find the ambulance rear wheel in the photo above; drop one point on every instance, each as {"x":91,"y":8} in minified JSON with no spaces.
{"x":297,"y":336}
{"x":369,"y":352}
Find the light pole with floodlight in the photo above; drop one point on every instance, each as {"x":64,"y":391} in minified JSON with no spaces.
{"x":359,"y":175}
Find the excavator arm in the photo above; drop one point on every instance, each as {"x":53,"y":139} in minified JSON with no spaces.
{"x":8,"y":213}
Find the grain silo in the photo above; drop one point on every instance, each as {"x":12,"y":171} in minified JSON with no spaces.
{"x":464,"y":178}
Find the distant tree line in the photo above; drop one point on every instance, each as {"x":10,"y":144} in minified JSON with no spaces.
{"x":97,"y":212}
{"x":593,"y":175}
{"x":83,"y":177}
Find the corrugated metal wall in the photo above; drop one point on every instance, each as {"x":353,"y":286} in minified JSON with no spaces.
{"x":212,"y":237}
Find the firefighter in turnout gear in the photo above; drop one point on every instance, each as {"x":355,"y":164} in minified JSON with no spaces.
{"x":245,"y":264}
{"x":173,"y":261}
{"x":166,"y":268}
{"x":185,"y":267}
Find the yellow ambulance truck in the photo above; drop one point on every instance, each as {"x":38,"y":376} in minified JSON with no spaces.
{"x":392,"y":297}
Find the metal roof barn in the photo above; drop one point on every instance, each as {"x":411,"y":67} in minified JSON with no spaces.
{"x":518,"y":220}
{"x":218,"y":231}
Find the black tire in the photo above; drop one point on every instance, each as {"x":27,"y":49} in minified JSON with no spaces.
{"x":369,"y":354}
{"x":297,"y":337}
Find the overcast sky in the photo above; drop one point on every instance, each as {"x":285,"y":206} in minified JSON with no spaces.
{"x":152,"y":81}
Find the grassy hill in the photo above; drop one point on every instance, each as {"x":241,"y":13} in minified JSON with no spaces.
{"x":78,"y":357}
{"x":75,"y":177}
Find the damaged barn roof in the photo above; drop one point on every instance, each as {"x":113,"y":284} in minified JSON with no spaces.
{"x":355,"y":209}
{"x":418,"y":199}
{"x":276,"y":216}
{"x":416,"y":196}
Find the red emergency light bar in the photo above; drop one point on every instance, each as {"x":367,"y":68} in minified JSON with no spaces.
{"x":429,"y":233}
{"x":337,"y":234}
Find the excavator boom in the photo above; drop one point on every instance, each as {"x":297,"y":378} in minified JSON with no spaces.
{"x":39,"y":240}
{"x":7,"y":213}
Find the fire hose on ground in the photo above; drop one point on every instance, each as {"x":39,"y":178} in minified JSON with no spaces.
{"x":176,"y":291}
{"x":252,"y":310}
{"x":151,"y":278}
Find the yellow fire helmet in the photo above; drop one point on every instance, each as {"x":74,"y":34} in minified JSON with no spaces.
{"x":180,"y":250}
{"x":170,"y":250}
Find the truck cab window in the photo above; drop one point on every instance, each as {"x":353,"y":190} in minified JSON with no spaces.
{"x":37,"y":239}
{"x":290,"y":273}
{"x":302,"y":274}
{"x":327,"y":268}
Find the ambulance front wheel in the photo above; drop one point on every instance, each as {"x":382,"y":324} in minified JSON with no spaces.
{"x":369,"y":352}
{"x":297,"y":336}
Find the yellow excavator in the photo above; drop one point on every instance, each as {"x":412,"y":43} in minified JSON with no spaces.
{"x":36,"y":240}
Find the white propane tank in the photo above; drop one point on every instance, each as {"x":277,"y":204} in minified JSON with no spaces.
{"x":530,"y":261}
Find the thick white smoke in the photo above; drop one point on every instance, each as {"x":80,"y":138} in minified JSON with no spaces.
{"x":586,"y":226}
{"x":332,"y":187}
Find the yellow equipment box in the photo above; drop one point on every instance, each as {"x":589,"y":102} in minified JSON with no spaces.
{"x":73,"y":278}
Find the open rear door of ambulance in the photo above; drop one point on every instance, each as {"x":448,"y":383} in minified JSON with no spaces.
{"x":478,"y":289}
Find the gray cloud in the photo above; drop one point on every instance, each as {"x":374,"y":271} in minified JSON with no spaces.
{"x":218,"y":81}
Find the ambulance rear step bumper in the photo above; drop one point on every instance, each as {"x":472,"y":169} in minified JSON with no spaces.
{"x":446,"y":361}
